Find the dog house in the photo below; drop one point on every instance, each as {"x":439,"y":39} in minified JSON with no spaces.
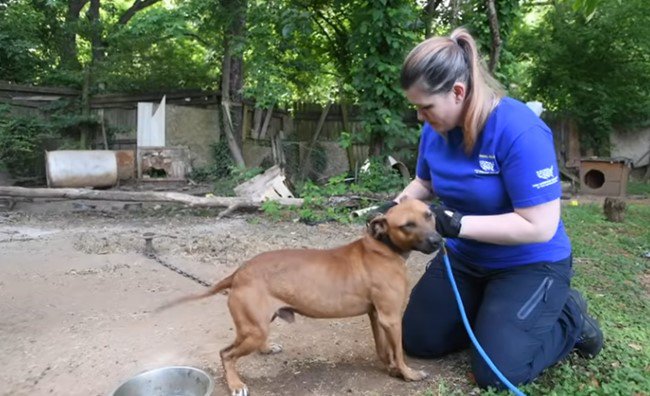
{"x":604,"y":176}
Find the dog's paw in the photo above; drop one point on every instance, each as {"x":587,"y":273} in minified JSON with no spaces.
{"x":415,"y":375}
{"x":271,"y":349}
{"x":240,"y":392}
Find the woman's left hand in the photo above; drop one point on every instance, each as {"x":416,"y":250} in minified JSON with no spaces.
{"x":447,"y":221}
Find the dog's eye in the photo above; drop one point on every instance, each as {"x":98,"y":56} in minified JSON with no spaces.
{"x":408,"y":226}
{"x":428,"y":215}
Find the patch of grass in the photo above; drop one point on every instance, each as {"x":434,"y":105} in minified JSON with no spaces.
{"x":377,"y":184}
{"x":638,"y":188}
{"x":444,"y":389}
{"x":609,"y":263}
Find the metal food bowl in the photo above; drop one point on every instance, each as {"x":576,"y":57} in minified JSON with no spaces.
{"x":168,"y":381}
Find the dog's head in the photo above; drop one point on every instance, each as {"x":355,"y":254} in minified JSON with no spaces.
{"x":410,"y":225}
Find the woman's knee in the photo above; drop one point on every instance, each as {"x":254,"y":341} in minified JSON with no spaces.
{"x":517,"y":372}
{"x":425,"y":342}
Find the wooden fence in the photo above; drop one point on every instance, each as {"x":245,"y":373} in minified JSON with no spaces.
{"x":119,"y":111}
{"x":294,"y":132}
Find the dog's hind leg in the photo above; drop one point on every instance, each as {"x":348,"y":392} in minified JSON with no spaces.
{"x":252,"y":326}
{"x":271,"y":348}
{"x":229,"y":355}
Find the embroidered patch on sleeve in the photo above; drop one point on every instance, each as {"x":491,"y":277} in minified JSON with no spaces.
{"x":548,"y":176}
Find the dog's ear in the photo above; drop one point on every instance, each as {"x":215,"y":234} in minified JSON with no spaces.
{"x":377,"y":226}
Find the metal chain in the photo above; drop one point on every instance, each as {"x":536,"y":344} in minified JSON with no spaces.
{"x":177,"y":270}
{"x":149,"y":253}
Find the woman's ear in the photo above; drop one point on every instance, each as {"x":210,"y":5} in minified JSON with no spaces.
{"x":460,"y":90}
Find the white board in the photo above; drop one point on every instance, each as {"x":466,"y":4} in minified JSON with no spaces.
{"x":151,"y":128}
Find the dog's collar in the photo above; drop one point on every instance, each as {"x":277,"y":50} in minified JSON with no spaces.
{"x":385,"y":239}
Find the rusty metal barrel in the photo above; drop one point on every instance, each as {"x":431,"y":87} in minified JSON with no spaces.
{"x":81,"y":168}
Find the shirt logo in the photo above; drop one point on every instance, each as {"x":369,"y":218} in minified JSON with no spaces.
{"x":487,"y":164}
{"x":545,"y":173}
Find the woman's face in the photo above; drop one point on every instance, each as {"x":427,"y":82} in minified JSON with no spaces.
{"x":443,"y":111}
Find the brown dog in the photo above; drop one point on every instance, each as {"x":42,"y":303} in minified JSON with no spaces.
{"x":367,"y":276}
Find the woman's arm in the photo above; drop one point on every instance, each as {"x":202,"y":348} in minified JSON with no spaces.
{"x":417,"y":189}
{"x":524,"y":225}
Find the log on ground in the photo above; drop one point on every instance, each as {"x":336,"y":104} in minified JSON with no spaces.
{"x":143,"y":196}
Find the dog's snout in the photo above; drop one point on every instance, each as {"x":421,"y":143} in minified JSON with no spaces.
{"x":430,"y":243}
{"x":435,"y":241}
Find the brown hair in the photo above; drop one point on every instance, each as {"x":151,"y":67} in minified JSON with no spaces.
{"x":438,"y":62}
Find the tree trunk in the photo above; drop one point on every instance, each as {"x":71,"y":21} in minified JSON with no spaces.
{"x":68,"y":48}
{"x":85,"y":109}
{"x":226,"y":107}
{"x":495,"y":48}
{"x":454,"y":5}
{"x":232,"y":77}
{"x":97,"y":43}
{"x":427,"y":17}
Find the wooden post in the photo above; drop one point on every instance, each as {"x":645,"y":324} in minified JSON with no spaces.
{"x":267,"y":121}
{"x":103,"y":125}
{"x":305,"y":166}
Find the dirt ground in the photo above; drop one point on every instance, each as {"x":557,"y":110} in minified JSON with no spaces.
{"x":77,"y":295}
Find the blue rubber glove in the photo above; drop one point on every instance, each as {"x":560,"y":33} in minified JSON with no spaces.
{"x":447,"y":221}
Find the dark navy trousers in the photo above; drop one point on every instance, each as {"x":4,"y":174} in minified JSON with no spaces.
{"x":520,"y":316}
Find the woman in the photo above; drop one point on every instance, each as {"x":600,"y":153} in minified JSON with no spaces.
{"x":491,"y":162}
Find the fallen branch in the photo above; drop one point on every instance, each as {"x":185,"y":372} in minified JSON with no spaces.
{"x":228,"y":210}
{"x":144,"y":196}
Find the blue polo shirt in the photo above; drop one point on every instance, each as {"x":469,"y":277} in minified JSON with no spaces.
{"x":513,"y":165}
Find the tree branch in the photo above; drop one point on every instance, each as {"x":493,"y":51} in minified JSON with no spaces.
{"x":76,"y":6}
{"x":137,"y":6}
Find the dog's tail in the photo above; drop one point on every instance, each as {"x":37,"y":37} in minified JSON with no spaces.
{"x":221,"y":285}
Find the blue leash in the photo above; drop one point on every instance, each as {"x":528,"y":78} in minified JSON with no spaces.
{"x":470,"y":333}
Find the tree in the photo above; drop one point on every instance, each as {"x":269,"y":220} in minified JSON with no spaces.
{"x":381,"y":34}
{"x":596,"y":71}
{"x":21,"y":46}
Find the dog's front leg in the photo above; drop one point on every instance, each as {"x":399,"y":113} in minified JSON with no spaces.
{"x":381,"y":343}
{"x":390,"y":322}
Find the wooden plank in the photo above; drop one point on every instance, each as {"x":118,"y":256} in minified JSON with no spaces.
{"x":7,"y":86}
{"x":268,"y":185}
